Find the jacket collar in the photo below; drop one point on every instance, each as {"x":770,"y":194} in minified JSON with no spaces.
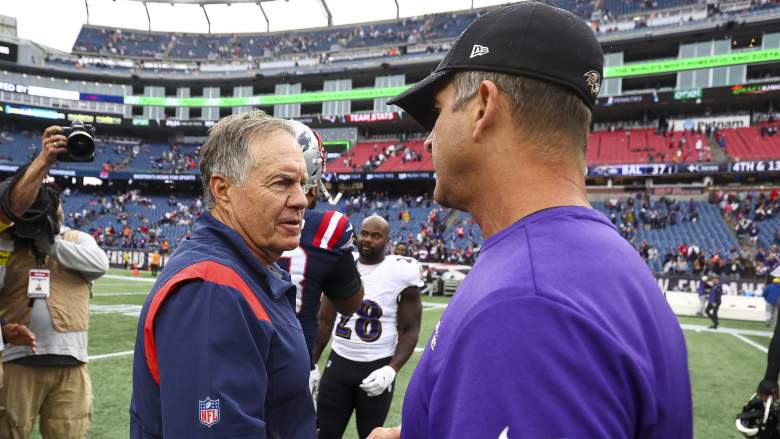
{"x":217,"y":233}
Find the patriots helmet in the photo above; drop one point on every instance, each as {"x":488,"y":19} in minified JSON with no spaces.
{"x":314,"y":156}
{"x":313,"y":153}
{"x":758,"y":419}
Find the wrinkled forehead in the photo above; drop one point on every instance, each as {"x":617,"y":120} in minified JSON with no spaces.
{"x":277,"y":151}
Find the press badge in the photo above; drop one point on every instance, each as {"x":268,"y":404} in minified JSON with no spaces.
{"x":38,"y":284}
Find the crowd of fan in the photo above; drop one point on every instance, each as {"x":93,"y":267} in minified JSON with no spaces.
{"x":604,"y":16}
{"x":651,"y":214}
{"x":428,"y":240}
{"x":746,"y":208}
{"x":680,"y":150}
{"x":414,"y":30}
{"x":131,"y":208}
{"x":750,"y":259}
{"x":439,"y":239}
{"x":376,"y":159}
{"x":175,"y":160}
{"x":737,"y":263}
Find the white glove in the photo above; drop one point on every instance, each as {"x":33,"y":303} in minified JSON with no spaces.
{"x":378,"y":381}
{"x":314,"y":383}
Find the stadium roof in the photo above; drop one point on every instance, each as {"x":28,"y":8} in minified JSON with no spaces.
{"x":56,"y":23}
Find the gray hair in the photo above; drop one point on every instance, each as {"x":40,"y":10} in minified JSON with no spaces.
{"x":548,"y":115}
{"x":226,"y":152}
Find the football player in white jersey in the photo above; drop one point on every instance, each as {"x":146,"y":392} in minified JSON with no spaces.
{"x":372,"y":345}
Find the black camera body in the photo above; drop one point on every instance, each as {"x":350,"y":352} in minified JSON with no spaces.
{"x":81,"y":142}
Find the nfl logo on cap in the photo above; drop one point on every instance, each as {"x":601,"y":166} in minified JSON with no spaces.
{"x":209,"y":411}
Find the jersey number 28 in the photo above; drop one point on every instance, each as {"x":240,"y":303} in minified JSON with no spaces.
{"x":368,"y":327}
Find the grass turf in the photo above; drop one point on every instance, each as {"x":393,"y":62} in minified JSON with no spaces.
{"x":724,"y":369}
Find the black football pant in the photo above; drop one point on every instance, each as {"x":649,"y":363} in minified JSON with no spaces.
{"x":340,"y":394}
{"x":712,"y":312}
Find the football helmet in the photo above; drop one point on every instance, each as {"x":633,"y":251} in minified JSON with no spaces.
{"x":758,"y":418}
{"x":314,"y":155}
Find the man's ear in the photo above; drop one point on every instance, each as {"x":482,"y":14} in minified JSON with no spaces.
{"x":219,"y":186}
{"x":486,"y":108}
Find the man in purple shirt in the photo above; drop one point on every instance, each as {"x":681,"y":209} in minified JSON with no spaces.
{"x":560,"y":330}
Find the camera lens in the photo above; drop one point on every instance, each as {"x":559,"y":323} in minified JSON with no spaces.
{"x":81,"y":146}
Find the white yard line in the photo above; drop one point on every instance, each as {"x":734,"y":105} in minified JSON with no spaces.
{"x":111,"y":355}
{"x":739,"y":333}
{"x":434,"y":305}
{"x":751,"y":342}
{"x":131,"y":278}
{"x":702,"y":328}
{"x":118,"y":294}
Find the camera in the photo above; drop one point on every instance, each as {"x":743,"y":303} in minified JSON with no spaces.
{"x":81,"y":144}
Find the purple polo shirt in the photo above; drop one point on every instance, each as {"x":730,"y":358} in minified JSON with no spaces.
{"x":560,"y":330}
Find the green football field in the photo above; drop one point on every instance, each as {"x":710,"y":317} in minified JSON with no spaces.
{"x":725,"y":366}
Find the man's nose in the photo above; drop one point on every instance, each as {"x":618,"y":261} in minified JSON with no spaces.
{"x":428,"y":144}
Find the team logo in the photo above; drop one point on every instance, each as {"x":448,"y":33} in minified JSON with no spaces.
{"x":593,"y":79}
{"x":304,"y":140}
{"x":478,"y":50}
{"x":351,"y":242}
{"x":208,"y":410}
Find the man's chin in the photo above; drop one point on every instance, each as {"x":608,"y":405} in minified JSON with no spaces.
{"x":366,"y":255}
{"x":439,"y":195}
{"x":290,"y":243}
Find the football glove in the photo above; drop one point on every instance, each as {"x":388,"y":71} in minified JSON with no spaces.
{"x":378,"y":381}
{"x":758,"y":419}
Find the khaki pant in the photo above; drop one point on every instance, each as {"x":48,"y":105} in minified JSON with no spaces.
{"x":62,"y":396}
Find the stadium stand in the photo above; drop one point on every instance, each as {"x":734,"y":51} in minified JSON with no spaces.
{"x":159,"y":45}
{"x":665,"y":224}
{"x":383,"y":156}
{"x":759,"y":142}
{"x":673,"y":236}
{"x":646,"y":145}
{"x":606,"y":16}
{"x":113,"y":154}
{"x":618,"y":146}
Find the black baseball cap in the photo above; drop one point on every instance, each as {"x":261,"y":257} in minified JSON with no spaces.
{"x":527,"y":39}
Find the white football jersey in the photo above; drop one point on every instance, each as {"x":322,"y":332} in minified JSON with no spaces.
{"x":372,"y":333}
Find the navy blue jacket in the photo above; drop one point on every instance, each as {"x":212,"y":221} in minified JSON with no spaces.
{"x":219,"y":351}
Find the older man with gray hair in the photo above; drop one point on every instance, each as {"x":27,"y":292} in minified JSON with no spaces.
{"x":219,"y":350}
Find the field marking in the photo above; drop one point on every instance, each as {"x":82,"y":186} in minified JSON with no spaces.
{"x":111,"y":355}
{"x":128,"y":310}
{"x":739,"y":333}
{"x":433,"y":305}
{"x":751,"y":343}
{"x":136,"y":279}
{"x":118,"y":294}
{"x":723,"y":330}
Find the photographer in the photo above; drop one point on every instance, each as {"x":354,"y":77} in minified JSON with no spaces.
{"x":47,"y":287}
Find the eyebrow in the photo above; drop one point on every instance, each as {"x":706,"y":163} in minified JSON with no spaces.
{"x":284,"y":174}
